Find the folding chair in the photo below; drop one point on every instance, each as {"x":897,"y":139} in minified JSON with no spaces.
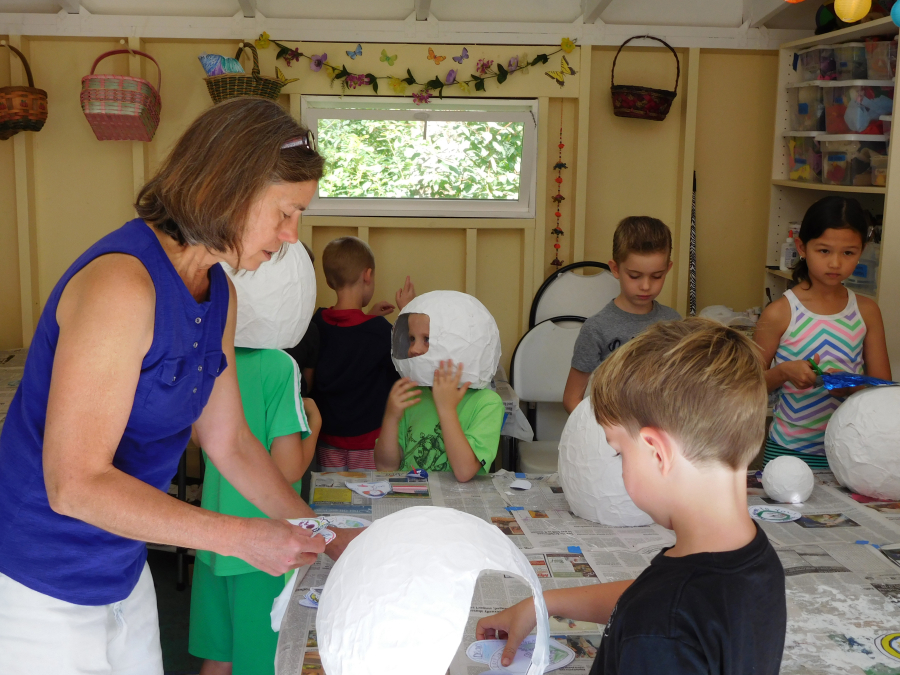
{"x":565,"y":293}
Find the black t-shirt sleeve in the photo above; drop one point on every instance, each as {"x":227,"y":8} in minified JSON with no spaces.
{"x":312,"y":349}
{"x":652,"y":655}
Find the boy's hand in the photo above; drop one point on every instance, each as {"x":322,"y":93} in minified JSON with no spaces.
{"x":403,"y":395}
{"x":381,"y":308}
{"x":446,"y":390}
{"x":514,"y":623}
{"x":799,"y":373}
{"x":405,"y":294}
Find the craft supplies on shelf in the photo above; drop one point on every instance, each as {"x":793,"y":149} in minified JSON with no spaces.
{"x":21,"y":108}
{"x":881,"y":59}
{"x":847,"y":158}
{"x":789,"y":254}
{"x":879,"y":170}
{"x":804,"y":156}
{"x":886,"y":125}
{"x":855,"y":106}
{"x":643,"y":102}
{"x":817,"y":63}
{"x":864,"y":277}
{"x":850,"y":61}
{"x":807,"y":107}
{"x":119,"y":107}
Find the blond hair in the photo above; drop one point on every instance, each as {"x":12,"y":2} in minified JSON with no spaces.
{"x":642,"y":235}
{"x":344,"y":259}
{"x":699,"y":381}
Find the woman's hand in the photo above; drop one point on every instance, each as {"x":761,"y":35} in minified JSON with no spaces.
{"x":276,"y":546}
{"x":381,"y":308}
{"x":446,"y":389}
{"x":403,"y":395}
{"x":405,"y":295}
{"x":514,"y":623}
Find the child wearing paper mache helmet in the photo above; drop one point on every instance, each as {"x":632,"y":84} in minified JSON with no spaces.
{"x":684,"y":404}
{"x":442,"y":415}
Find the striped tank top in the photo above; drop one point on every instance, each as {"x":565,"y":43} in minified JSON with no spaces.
{"x":801,"y":415}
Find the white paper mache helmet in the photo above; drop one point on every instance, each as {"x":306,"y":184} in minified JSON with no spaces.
{"x":590,"y":473}
{"x":461,"y":328}
{"x":276,"y":302}
{"x":861,"y":442}
{"x":397,"y":600}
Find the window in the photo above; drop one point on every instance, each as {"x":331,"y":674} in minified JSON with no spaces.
{"x":454,"y":158}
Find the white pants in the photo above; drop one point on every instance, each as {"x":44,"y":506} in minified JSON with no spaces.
{"x":40,"y":635}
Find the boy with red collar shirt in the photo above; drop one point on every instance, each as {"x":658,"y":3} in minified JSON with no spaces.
{"x":354,"y":373}
{"x":684,"y":403}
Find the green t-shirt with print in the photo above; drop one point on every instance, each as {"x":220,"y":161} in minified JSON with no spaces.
{"x":270,"y":392}
{"x":480,"y":416}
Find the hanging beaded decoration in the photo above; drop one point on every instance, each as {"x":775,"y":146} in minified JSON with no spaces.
{"x":558,"y":198}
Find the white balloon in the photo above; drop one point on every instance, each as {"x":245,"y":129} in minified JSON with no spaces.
{"x":590,"y":473}
{"x":276,"y":302}
{"x":397,"y":600}
{"x":862,"y":442}
{"x":788,"y":479}
{"x":461,"y":328}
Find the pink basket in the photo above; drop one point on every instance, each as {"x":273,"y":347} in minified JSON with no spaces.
{"x":118,"y":107}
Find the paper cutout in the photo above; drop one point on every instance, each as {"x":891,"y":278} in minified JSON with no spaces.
{"x":312,"y":598}
{"x":434,"y":57}
{"x":462,"y":57}
{"x":773,"y":514}
{"x":559,"y":76}
{"x":889,"y":645}
{"x":356,"y":52}
{"x":375,"y":490}
{"x":490,"y":652}
{"x":372,"y":617}
{"x":387,"y":59}
{"x":520,"y":484}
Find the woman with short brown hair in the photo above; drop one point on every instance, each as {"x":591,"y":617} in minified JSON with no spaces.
{"x":132,"y":349}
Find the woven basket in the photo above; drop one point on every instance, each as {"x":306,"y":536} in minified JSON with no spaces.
{"x":644,"y":103}
{"x":230,"y":85}
{"x":22,"y":108}
{"x":119,"y":107}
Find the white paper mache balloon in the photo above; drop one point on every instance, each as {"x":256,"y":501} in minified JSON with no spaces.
{"x":590,"y":473}
{"x":461,"y":328}
{"x":788,"y":479}
{"x":397,"y":600}
{"x":862,"y":442}
{"x":276,"y":302}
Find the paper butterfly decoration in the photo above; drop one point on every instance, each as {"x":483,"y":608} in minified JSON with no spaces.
{"x":434,"y":57}
{"x":356,"y":52}
{"x":282,"y":78}
{"x":462,"y":57}
{"x":388,"y":59}
{"x":559,"y":76}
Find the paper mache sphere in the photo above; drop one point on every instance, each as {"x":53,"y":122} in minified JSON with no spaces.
{"x":862,"y":444}
{"x":276,"y":302}
{"x":461,"y":328}
{"x":397,"y":600}
{"x":788,"y":479}
{"x":590,"y":473}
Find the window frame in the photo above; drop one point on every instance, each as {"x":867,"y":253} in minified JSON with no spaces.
{"x":315,"y":107}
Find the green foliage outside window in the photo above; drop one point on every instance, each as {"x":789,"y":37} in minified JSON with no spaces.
{"x":391,"y":159}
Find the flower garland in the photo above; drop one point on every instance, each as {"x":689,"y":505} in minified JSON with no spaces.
{"x":485,"y":69}
{"x":558,"y":198}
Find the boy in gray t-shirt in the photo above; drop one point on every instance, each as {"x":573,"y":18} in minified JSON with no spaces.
{"x":642,"y":249}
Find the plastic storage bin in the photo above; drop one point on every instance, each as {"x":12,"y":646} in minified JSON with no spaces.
{"x":847,"y":158}
{"x":817,"y":64}
{"x":807,"y":107}
{"x":881,"y":60}
{"x":804,"y":157}
{"x":850,"y":61}
{"x":864,"y":277}
{"x":855,"y":106}
{"x":879,"y":170}
{"x":886,"y":124}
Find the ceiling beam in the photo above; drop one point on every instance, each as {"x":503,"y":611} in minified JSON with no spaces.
{"x":248,"y":7}
{"x":71,"y":6}
{"x":758,"y":12}
{"x":592,"y":9}
{"x":423,"y":7}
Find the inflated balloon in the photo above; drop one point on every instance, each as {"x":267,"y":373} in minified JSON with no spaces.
{"x":851,"y":11}
{"x":276,"y":302}
{"x":895,"y":14}
{"x":788,"y":479}
{"x":461,"y":329}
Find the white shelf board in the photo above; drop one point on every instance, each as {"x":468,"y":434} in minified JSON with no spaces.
{"x":883,"y":26}
{"x":867,"y":189}
{"x":781,"y":273}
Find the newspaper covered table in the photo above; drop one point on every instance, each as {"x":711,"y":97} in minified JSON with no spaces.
{"x":843,"y":578}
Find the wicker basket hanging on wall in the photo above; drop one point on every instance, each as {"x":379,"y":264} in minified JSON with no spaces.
{"x":21,"y":108}
{"x":230,"y":85}
{"x":644,"y":103}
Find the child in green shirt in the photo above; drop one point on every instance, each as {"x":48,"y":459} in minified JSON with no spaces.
{"x":433,"y":419}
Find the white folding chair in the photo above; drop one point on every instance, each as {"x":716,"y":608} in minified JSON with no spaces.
{"x":540,"y":367}
{"x":565,"y":293}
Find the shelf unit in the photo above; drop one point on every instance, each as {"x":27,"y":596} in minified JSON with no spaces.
{"x":790,"y":199}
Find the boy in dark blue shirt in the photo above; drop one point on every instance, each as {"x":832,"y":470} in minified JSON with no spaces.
{"x":684,"y":404}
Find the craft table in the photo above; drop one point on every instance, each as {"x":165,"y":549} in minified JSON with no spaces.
{"x":843,"y":580}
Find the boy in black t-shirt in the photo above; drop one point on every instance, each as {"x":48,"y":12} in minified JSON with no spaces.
{"x":684,"y":404}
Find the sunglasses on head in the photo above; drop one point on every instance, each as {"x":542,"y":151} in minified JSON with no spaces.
{"x":307,"y":142}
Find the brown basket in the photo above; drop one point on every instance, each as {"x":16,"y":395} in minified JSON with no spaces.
{"x":230,"y":85}
{"x":119,"y":107}
{"x":22,"y":108}
{"x":643,"y":102}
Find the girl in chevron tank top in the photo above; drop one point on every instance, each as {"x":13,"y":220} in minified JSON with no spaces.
{"x":819,"y":319}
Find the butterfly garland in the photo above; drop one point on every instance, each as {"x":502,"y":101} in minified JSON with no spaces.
{"x":486,"y":69}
